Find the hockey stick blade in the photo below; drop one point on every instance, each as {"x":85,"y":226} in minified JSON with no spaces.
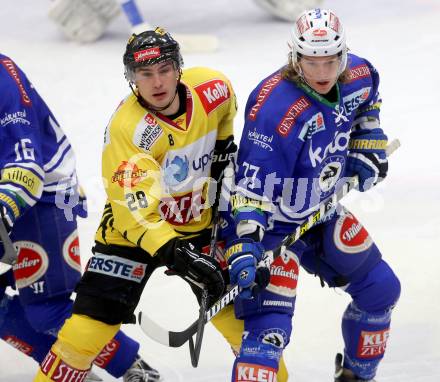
{"x":177,"y":339}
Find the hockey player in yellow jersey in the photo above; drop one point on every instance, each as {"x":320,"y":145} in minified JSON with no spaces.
{"x":161,"y":146}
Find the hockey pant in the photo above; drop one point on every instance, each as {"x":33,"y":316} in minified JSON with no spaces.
{"x":341,"y":252}
{"x":46,"y":272}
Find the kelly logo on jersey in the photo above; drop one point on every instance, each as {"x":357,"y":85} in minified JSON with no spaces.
{"x":212,"y":94}
{"x":117,"y":267}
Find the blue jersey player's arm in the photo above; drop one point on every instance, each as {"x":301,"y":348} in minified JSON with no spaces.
{"x":262,"y":165}
{"x":367,"y":120}
{"x":22,"y":173}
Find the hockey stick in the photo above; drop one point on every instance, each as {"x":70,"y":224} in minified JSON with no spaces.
{"x":10,"y":254}
{"x":177,"y":339}
{"x":194,"y":350}
{"x":189,"y":43}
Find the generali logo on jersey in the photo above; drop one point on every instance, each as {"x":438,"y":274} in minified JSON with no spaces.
{"x":249,"y":372}
{"x":146,"y":54}
{"x":212,"y":94}
{"x":295,"y":110}
{"x":373,"y":344}
{"x":32,"y":263}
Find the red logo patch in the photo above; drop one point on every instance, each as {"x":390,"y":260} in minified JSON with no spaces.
{"x":267,"y":87}
{"x":32,"y":263}
{"x":249,"y":372}
{"x":71,"y":251}
{"x":13,"y":72}
{"x":182,"y":209}
{"x":18,"y":344}
{"x":284,"y":273}
{"x":350,"y":236}
{"x":107,"y":353}
{"x":373,"y":344}
{"x":295,"y":110}
{"x":319,"y":32}
{"x":212,"y":94}
{"x":358,"y":72}
{"x":147,"y":54}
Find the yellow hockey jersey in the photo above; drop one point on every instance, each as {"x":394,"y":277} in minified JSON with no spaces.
{"x":155,"y":170}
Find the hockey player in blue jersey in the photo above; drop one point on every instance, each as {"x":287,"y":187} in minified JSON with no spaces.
{"x":39,"y":205}
{"x":307,"y":126}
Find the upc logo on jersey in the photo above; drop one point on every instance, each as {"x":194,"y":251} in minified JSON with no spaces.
{"x":147,"y":132}
{"x":18,"y":344}
{"x":358,"y":72}
{"x":312,"y":126}
{"x":107,"y":353}
{"x":176,"y":170}
{"x":249,"y":372}
{"x":117,"y":267}
{"x":128,"y":175}
{"x":284,"y":275}
{"x":263,"y":94}
{"x":13,"y":72}
{"x":295,"y":110}
{"x":350,"y":236}
{"x":146,"y":54}
{"x":372,"y":344}
{"x":212,"y":94}
{"x":32,"y":263}
{"x":353,"y":100}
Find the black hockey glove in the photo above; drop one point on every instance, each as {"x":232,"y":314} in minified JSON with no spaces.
{"x":223,"y":153}
{"x":184,"y":260}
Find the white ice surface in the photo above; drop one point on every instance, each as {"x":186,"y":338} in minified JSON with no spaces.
{"x":83,"y":84}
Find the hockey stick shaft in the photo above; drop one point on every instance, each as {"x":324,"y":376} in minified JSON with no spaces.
{"x":10,"y":254}
{"x":194,"y":350}
{"x":177,"y":339}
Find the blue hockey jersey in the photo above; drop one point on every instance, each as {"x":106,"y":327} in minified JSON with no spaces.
{"x":36,"y":160}
{"x":294,"y":145}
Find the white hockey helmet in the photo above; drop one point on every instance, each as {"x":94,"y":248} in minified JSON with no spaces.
{"x":318,"y":32}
